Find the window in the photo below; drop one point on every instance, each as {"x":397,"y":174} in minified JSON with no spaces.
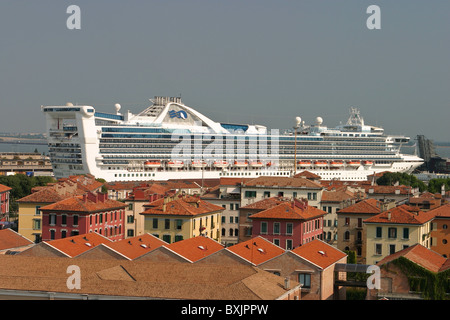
{"x":378,"y":250}
{"x":264,"y":227}
{"x":63,"y":219}
{"x":346,"y":235}
{"x":288,"y":244}
{"x":312,"y":196}
{"x":166,"y":238}
{"x":178,"y":224}
{"x":52,"y":219}
{"x":155,"y":223}
{"x":392,"y":233}
{"x":359,"y":222}
{"x":130,"y":219}
{"x":166,"y":224}
{"x":276,"y":242}
{"x":52,"y":234}
{"x":294,"y":194}
{"x":276,"y":228}
{"x":347,"y":221}
{"x":223,"y":219}
{"x":231,"y":219}
{"x":130,"y":232}
{"x":223,"y":232}
{"x":405,"y":233}
{"x":379,"y":232}
{"x":37,"y":212}
{"x":63,"y":234}
{"x":250,"y":194}
{"x":178,"y":238}
{"x":75,"y":220}
{"x":305,"y":280}
{"x":36,"y":224}
{"x":289,"y":227}
{"x":391,"y":248}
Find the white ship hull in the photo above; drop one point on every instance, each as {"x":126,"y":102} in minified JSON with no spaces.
{"x":126,"y":147}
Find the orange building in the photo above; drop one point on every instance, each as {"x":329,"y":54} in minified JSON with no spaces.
{"x":440,"y":234}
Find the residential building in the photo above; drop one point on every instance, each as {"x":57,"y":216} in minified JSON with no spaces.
{"x":415,"y":272}
{"x":181,"y":216}
{"x":440,"y":233}
{"x":426,"y":201}
{"x":228,"y":195}
{"x":396,"y":229}
{"x":400,"y":194}
{"x":268,"y":186}
{"x":332,"y":201}
{"x":91,"y":212}
{"x":245,"y":222}
{"x":4,"y":201}
{"x":30,"y":215}
{"x":289,"y":224}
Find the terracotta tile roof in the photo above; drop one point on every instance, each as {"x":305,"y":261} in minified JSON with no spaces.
{"x":404,"y":190}
{"x":10,"y":239}
{"x":75,"y":245}
{"x":136,"y":246}
{"x":195,"y":248}
{"x":286,"y":182}
{"x":181,"y":205}
{"x":4,"y":188}
{"x":288,"y":211}
{"x":403,"y":215}
{"x":256,"y":250}
{"x":84,"y":204}
{"x":266,"y":203}
{"x":140,"y":279}
{"x":420,"y":255}
{"x":307,"y":175}
{"x":364,"y":206}
{"x":319,"y":253}
{"x":85,"y":182}
{"x":53,"y":192}
{"x":233,"y":181}
{"x":442,"y":211}
{"x":337,"y":195}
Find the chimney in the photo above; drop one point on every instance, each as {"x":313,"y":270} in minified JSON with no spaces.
{"x":389,"y":215}
{"x":287,"y":283}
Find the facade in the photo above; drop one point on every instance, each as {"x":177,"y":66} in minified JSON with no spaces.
{"x":440,"y":234}
{"x":91,"y":212}
{"x":178,"y":217}
{"x":351,"y":229}
{"x":289,"y":224}
{"x":396,"y":229}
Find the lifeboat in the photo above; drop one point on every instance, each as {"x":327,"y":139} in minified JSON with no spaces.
{"x":320,"y":163}
{"x":152,"y":164}
{"x":198,"y":164}
{"x":367,"y":163}
{"x":220,"y":164}
{"x":304,"y":163}
{"x":336,"y":164}
{"x":240,"y":163}
{"x":175,"y":164}
{"x":256,"y":164}
{"x":353,"y":163}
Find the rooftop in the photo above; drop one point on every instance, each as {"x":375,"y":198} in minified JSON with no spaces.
{"x":401,"y":215}
{"x":292,"y":210}
{"x":195,"y":248}
{"x":9,"y":239}
{"x":88,"y":202}
{"x":256,"y":250}
{"x":364,"y":206}
{"x":282,"y":182}
{"x":319,"y":253}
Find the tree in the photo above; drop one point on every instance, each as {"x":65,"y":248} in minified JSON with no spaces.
{"x":401,"y":178}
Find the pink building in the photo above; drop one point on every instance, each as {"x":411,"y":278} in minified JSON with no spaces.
{"x":91,"y":212}
{"x":4,"y":200}
{"x":289,"y":224}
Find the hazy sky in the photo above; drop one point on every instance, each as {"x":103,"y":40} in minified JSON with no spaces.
{"x":240,"y":61}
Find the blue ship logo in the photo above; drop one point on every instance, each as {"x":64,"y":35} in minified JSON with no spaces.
{"x":180,"y":114}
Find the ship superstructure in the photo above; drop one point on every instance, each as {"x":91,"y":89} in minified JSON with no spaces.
{"x":169,"y":140}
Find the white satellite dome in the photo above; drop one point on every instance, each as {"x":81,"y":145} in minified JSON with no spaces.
{"x":319,"y":120}
{"x":117,"y":106}
{"x":298,"y":120}
{"x":69,"y":104}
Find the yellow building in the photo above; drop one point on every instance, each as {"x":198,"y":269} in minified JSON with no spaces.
{"x":182,"y":217}
{"x":396,"y":229}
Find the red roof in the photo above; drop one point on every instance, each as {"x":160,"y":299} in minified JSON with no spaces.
{"x":136,"y":246}
{"x":364,"y":206}
{"x":442,"y":211}
{"x":266,"y":203}
{"x":195,"y":248}
{"x":319,"y":253}
{"x":87,"y":203}
{"x":181,"y":205}
{"x":256,"y":250}
{"x":420,"y":255}
{"x":403,"y":215}
{"x":289,"y":211}
{"x":286,"y":182}
{"x":4,"y":188}
{"x":75,"y":245}
{"x":10,"y":239}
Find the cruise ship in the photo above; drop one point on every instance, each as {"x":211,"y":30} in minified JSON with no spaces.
{"x":170,"y":140}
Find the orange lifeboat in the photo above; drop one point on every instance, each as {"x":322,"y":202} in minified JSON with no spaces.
{"x":336,"y":164}
{"x":367,"y":163}
{"x":256,"y":164}
{"x":320,"y":163}
{"x":353,"y":163}
{"x":221,"y":164}
{"x":304,"y":163}
{"x":240,"y":163}
{"x":152,"y":164}
{"x":175,"y":164}
{"x":198,"y":164}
